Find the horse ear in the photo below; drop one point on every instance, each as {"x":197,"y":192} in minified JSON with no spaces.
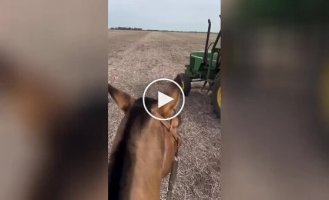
{"x":122,"y":99}
{"x":174,"y":92}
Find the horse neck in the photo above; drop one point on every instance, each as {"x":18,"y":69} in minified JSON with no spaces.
{"x":143,"y":166}
{"x":147,"y":171}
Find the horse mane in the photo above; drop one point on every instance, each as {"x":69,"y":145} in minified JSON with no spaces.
{"x":122,"y":159}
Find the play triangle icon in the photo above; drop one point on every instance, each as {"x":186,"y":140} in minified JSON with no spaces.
{"x":163,"y":99}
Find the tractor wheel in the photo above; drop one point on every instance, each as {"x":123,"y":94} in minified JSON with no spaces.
{"x":185,"y":83}
{"x":216,"y":97}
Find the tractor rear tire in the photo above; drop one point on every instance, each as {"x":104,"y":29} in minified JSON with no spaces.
{"x":185,"y":83}
{"x":216,"y":97}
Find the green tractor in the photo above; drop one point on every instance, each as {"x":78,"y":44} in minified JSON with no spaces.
{"x":205,"y":66}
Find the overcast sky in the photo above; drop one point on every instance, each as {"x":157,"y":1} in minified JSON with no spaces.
{"x":181,"y":15}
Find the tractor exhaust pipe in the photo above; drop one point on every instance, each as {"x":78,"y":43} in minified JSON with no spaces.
{"x":205,"y":55}
{"x":218,"y":36}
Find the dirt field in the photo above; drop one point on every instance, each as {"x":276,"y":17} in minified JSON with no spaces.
{"x":135,"y":59}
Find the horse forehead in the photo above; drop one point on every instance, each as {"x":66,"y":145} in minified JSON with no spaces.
{"x":135,"y":120}
{"x":149,"y":102}
{"x":148,"y":124}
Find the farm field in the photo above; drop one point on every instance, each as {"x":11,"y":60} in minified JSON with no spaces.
{"x":138,"y":57}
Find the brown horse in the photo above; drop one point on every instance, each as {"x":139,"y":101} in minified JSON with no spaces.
{"x":144,"y":148}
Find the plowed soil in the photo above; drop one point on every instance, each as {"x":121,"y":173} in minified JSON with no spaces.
{"x":138,"y":57}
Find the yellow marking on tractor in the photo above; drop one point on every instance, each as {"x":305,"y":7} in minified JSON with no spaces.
{"x":219,"y":97}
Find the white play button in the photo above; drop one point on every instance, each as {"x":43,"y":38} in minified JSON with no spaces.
{"x":163,"y":99}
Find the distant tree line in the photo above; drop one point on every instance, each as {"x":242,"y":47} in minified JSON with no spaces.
{"x":126,"y":28}
{"x":140,"y":29}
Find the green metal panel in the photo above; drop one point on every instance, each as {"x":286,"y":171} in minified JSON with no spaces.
{"x":196,"y":60}
{"x":213,"y":56}
{"x":196,"y":70}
